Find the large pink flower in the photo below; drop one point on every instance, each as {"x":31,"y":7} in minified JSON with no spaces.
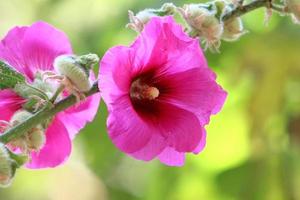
{"x":160,"y":93}
{"x":30,"y":50}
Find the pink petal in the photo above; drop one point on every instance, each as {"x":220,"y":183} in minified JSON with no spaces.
{"x":127,"y":130}
{"x":11,"y":49}
{"x":195,"y":90}
{"x":76,"y":117}
{"x":201,"y":144}
{"x":10,"y":102}
{"x":154,"y":147}
{"x":42,"y":43}
{"x":164,"y":45}
{"x":56,"y":150}
{"x":171,"y":157}
{"x":116,"y":72}
{"x":29,"y":49}
{"x":181,"y":127}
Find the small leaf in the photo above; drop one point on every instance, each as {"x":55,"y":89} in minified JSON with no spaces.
{"x":9,"y":77}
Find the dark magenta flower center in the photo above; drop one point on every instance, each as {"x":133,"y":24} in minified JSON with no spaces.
{"x":144,"y":94}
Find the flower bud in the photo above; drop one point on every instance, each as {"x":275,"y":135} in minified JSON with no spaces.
{"x":68,"y":66}
{"x":233,"y":29}
{"x":33,"y":140}
{"x":88,"y":61}
{"x":137,"y":22}
{"x":203,"y":23}
{"x":293,"y":6}
{"x":6,"y":168}
{"x":36,"y":139}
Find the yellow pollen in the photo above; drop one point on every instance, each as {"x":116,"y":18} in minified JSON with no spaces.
{"x":141,"y":91}
{"x":152,"y":93}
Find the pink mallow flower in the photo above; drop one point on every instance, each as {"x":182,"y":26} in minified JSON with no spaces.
{"x":160,"y":94}
{"x":32,"y":50}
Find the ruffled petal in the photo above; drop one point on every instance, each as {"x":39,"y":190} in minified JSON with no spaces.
{"x":164,"y":46}
{"x":126,"y":128}
{"x":10,"y":102}
{"x":42,"y":43}
{"x":171,"y":157}
{"x":115,"y":73}
{"x":153,"y":148}
{"x":11,"y":49}
{"x":201,"y":144}
{"x":33,"y":48}
{"x":56,"y":150}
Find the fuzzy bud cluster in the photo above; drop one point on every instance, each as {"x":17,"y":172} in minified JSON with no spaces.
{"x":6,"y":167}
{"x":233,"y":28}
{"x":205,"y":21}
{"x":293,"y":6}
{"x":33,"y":140}
{"x":138,"y":21}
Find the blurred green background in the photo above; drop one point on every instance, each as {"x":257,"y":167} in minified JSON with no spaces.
{"x":253,"y":144}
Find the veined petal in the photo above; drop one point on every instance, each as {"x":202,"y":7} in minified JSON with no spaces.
{"x":164,"y":46}
{"x":195,"y":90}
{"x":126,"y":128}
{"x":116,"y":73}
{"x":10,"y":102}
{"x":33,"y":48}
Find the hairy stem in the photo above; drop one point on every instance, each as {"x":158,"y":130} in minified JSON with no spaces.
{"x":57,"y":92}
{"x":241,"y":10}
{"x":42,"y":115}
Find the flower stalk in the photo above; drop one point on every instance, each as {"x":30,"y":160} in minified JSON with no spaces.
{"x":43,"y":115}
{"x":244,"y":9}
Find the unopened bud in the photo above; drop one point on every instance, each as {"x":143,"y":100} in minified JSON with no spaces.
{"x":138,"y":21}
{"x":69,"y":66}
{"x":32,"y":140}
{"x":203,"y":23}
{"x":6,"y":168}
{"x":36,"y":138}
{"x":19,"y":117}
{"x":293,"y":6}
{"x":88,"y":61}
{"x":233,"y":29}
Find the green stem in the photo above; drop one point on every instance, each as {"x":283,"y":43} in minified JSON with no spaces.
{"x":57,"y":92}
{"x":241,"y":10}
{"x":42,"y":115}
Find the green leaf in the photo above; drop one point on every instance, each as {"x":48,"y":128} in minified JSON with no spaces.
{"x":9,"y":77}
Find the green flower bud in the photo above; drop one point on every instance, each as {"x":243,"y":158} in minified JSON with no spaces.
{"x":19,"y":117}
{"x":78,"y":74}
{"x":6,"y":168}
{"x":33,"y":140}
{"x":36,"y":139}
